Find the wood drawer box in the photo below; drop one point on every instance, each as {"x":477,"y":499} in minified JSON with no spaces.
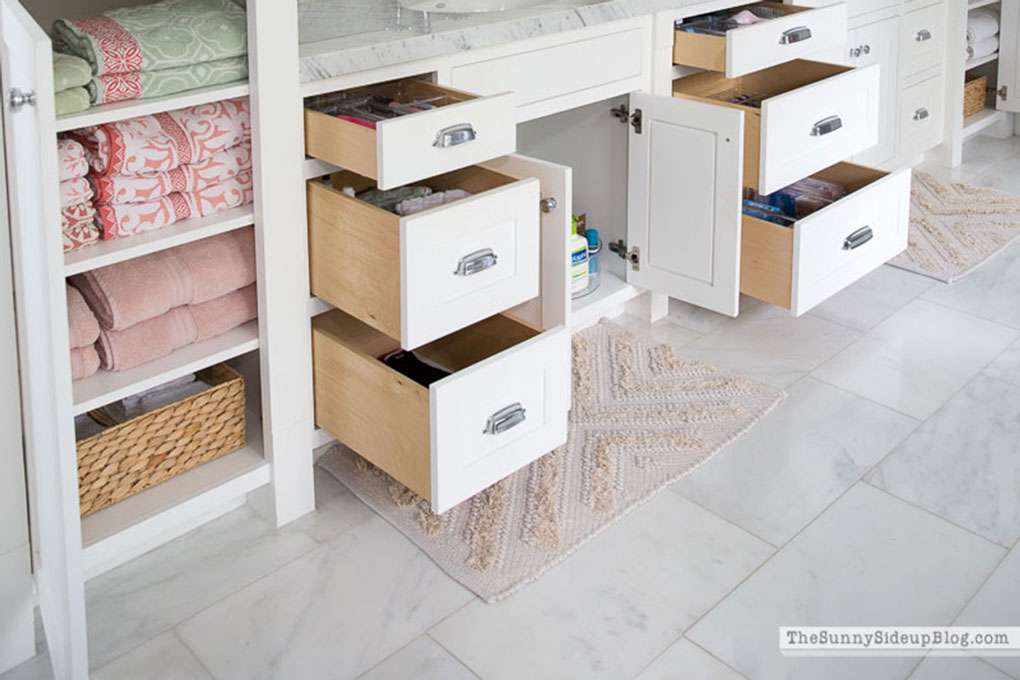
{"x":795,"y":32}
{"x":420,"y":277}
{"x":504,"y":405}
{"x":462,"y":129}
{"x":823,"y":253}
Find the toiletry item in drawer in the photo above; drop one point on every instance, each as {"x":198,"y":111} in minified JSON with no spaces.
{"x":794,"y":202}
{"x":420,"y":370}
{"x":718,"y":23}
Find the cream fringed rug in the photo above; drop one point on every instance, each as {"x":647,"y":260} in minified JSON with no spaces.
{"x":642,"y":418}
{"x":955,"y":228}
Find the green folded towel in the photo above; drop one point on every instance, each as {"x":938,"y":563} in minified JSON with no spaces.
{"x":163,"y":35}
{"x":70,"y":71}
{"x":145,"y":84}
{"x":72,"y":100}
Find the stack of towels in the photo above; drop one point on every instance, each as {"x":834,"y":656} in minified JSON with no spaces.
{"x":149,"y":172}
{"x":77,"y":212}
{"x":152,"y":305}
{"x":982,"y":32}
{"x":71,"y":75}
{"x":156,"y":50}
{"x":84,"y":331}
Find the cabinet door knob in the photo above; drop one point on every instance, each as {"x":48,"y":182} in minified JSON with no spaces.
{"x":476,"y":262}
{"x":16,"y":99}
{"x":505,"y":419}
{"x":826,"y":126}
{"x":866,"y":49}
{"x":922,"y":35}
{"x":462,"y":133}
{"x":856,"y":51}
{"x":921,"y":113}
{"x":548,"y":204}
{"x":858,"y":238}
{"x":795,"y":35}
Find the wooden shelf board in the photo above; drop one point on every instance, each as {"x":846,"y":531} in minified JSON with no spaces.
{"x":117,"y":250}
{"x":138,"y":524}
{"x":108,"y":386}
{"x":146,"y":107}
{"x":974,"y":124}
{"x":980,"y":61}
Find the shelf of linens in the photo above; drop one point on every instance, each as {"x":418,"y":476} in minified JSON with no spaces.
{"x":108,"y":386}
{"x":980,"y":61}
{"x":981,"y":3}
{"x":126,"y":529}
{"x":105,"y":253}
{"x":107,"y":113}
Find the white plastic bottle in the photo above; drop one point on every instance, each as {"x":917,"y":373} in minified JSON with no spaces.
{"x":578,"y":261}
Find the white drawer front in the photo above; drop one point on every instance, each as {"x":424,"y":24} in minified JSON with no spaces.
{"x":411,"y":148}
{"x":470,"y":449}
{"x":795,"y":36}
{"x":920,"y":113}
{"x":800,"y":134}
{"x":469,"y":260}
{"x":823,"y":262}
{"x":922,"y":39}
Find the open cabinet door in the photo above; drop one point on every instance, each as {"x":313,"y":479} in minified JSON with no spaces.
{"x":684,"y":199}
{"x":1008,"y":96}
{"x":40,"y":304}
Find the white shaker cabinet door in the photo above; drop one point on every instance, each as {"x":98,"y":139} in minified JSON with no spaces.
{"x":30,"y":150}
{"x":1008,"y":97}
{"x":684,"y":200}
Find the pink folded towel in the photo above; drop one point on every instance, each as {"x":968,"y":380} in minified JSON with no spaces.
{"x":84,"y":329}
{"x":126,"y":293}
{"x":125,"y":219}
{"x":71,"y":160}
{"x":75,"y":191}
{"x":164,"y":141}
{"x":158,"y":337}
{"x":219,"y":167}
{"x":84,"y":362}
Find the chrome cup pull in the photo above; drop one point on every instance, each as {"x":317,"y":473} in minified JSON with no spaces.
{"x":461,"y":133}
{"x":923,"y":35}
{"x":921,"y":113}
{"x":475,"y":262}
{"x":826,"y":126}
{"x":505,"y":419}
{"x":858,"y":238}
{"x":795,"y":35}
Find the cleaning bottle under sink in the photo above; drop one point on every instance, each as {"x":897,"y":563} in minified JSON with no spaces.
{"x":578,"y":260}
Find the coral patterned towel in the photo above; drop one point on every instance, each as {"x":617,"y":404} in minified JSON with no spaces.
{"x":71,"y":160}
{"x":161,"y":35}
{"x":217,"y":168}
{"x":75,"y":191}
{"x":118,"y":87}
{"x":78,"y":224}
{"x":124,"y":219}
{"x":160,"y":143}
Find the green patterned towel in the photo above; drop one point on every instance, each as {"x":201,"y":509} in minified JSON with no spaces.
{"x":70,"y":71}
{"x":164,"y":35}
{"x":72,"y":100}
{"x":145,"y":84}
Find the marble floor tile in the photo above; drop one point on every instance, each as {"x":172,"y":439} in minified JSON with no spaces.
{"x":766,"y":343}
{"x":164,"y":657}
{"x":423,"y":659}
{"x":665,"y":330}
{"x":815,"y":445}
{"x":1007,"y":365}
{"x":37,"y":668}
{"x":963,"y":464}
{"x":686,"y":660}
{"x":990,"y":292}
{"x":611,"y":607}
{"x":695,"y":318}
{"x":957,"y":668}
{"x":135,"y":602}
{"x":917,"y":358}
{"x":874,"y":298}
{"x":870,"y":559}
{"x":336,"y":510}
{"x":998,"y":604}
{"x":1004,"y":176}
{"x":334,"y":613}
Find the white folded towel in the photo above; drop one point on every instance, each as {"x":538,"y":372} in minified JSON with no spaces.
{"x":981,"y":24}
{"x":983,"y":48}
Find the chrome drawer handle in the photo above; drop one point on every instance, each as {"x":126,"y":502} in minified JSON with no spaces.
{"x":794,"y":35}
{"x":826,"y":125}
{"x":922,"y":35}
{"x":475,"y":262}
{"x":858,"y":238}
{"x":461,"y":133}
{"x":921,"y":113}
{"x":505,"y":419}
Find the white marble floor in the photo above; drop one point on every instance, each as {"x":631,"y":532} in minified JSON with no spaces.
{"x":884,"y":490}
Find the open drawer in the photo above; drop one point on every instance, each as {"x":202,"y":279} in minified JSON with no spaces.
{"x":439,"y":129}
{"x":504,"y":404}
{"x":824,"y":252}
{"x":717,"y":41}
{"x":419,"y":277}
{"x":800,"y":117}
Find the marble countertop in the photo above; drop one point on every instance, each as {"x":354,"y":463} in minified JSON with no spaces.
{"x":339,"y":37}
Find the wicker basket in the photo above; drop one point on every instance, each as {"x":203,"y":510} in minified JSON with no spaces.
{"x":974,"y":95}
{"x":131,"y":457}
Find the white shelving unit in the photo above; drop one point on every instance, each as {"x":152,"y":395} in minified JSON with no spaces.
{"x":611,"y":295}
{"x":273,"y":472}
